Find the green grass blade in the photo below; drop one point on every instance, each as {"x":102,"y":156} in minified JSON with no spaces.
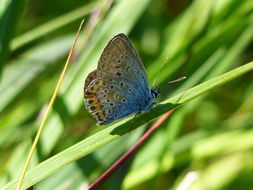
{"x":117,"y":21}
{"x":10,"y":12}
{"x":51,"y":26}
{"x":23,"y":71}
{"x":117,"y":130}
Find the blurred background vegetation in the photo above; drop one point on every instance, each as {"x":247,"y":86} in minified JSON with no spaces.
{"x":206,"y":144}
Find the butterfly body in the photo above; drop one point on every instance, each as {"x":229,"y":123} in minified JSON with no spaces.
{"x":119,"y":86}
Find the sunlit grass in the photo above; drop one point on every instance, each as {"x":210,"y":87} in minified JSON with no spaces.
{"x":207,"y":135}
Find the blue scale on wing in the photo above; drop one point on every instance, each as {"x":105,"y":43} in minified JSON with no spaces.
{"x":119,"y":58}
{"x":118,"y":97}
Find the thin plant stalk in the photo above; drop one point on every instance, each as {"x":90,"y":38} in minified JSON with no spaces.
{"x":125,"y":156}
{"x":49,"y":108}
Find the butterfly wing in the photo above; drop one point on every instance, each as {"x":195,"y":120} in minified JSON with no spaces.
{"x":125,"y":45}
{"x":121,"y":67}
{"x":111,"y":98}
{"x":119,"y":58}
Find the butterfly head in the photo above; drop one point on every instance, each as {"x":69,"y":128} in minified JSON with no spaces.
{"x":155,"y":92}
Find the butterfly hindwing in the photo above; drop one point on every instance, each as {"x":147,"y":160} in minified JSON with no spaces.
{"x":93,"y":75}
{"x":111,"y":98}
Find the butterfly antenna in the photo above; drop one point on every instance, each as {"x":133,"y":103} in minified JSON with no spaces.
{"x":177,"y":80}
{"x":170,"y":82}
{"x":165,"y":63}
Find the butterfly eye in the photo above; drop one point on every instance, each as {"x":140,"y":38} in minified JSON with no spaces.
{"x":129,"y":90}
{"x":109,"y":111}
{"x":108,"y":100}
{"x":116,"y":66}
{"x":118,"y":60}
{"x":105,"y":90}
{"x":121,"y":84}
{"x":126,"y":53}
{"x":111,"y":104}
{"x":124,"y":100}
{"x":154,"y":93}
{"x":112,"y":86}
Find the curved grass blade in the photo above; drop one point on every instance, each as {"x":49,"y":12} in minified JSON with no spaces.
{"x":115,"y":131}
{"x":36,"y":140}
{"x":10,"y":12}
{"x":51,"y":26}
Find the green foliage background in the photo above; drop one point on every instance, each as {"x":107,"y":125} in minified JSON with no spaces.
{"x":207,"y":142}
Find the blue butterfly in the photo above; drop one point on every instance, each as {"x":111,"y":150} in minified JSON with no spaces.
{"x":119,"y":86}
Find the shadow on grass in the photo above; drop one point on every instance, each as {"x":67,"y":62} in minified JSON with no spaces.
{"x":143,"y":118}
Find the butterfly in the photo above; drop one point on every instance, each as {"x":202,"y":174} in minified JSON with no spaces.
{"x":119,"y":86}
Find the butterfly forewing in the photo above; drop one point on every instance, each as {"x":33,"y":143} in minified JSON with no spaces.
{"x":120,"y":58}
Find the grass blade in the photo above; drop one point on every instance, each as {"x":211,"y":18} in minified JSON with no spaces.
{"x":115,"y":131}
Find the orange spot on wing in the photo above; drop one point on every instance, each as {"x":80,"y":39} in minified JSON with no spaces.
{"x":89,"y":95}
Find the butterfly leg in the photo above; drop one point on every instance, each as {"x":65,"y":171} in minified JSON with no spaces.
{"x":153,"y":104}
